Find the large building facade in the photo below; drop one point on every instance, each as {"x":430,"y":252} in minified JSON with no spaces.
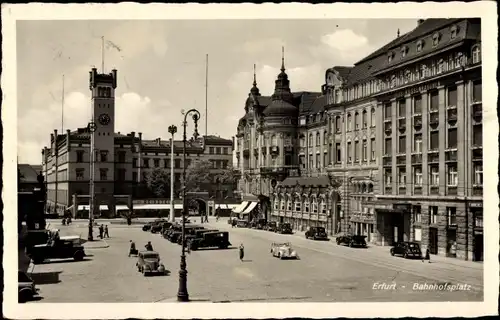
{"x":390,"y":148}
{"x":122,"y":161}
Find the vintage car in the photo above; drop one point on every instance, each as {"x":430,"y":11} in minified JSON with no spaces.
{"x":283,"y":251}
{"x":158,"y":227}
{"x":316,"y":233}
{"x":56,"y":248}
{"x":241,"y":223}
{"x":190,"y":232}
{"x":272,"y":226}
{"x":231,"y":220}
{"x":219,"y":239}
{"x":258,"y":224}
{"x":284,"y":228}
{"x":176,"y":235}
{"x":26,"y":287}
{"x":407,"y":250}
{"x":148,"y":262}
{"x":351,"y":240}
{"x":197,"y":233}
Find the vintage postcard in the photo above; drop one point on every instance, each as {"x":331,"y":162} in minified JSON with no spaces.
{"x":253,"y":161}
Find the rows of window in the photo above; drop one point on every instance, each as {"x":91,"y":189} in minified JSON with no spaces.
{"x":312,"y":205}
{"x":218,"y":150}
{"x":450,"y":216}
{"x":104,"y":92}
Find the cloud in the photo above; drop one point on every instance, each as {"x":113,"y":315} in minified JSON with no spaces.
{"x":344,"y":40}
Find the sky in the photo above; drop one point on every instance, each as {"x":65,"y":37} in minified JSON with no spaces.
{"x":161,"y":68}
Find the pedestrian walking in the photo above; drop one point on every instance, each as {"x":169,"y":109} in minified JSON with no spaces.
{"x":101,"y":231}
{"x":106,"y":231}
{"x":242,"y":252}
{"x":149,"y":246}
{"x":427,"y":255}
{"x":132,"y":250}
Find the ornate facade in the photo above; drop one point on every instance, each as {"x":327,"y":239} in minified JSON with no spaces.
{"x":400,"y":133}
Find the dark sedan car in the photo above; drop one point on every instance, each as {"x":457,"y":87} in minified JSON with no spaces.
{"x":316,"y":233}
{"x":272,"y":226}
{"x":407,"y":250}
{"x":351,"y":240}
{"x":285,"y":228}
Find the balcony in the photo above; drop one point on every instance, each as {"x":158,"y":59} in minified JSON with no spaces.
{"x":401,"y":160}
{"x":434,"y":119}
{"x":288,"y":149}
{"x":451,"y":155}
{"x":416,"y":158}
{"x":433,"y":157}
{"x":417,"y":190}
{"x":417,"y":122}
{"x":388,"y":128}
{"x":387,"y":161}
{"x":275,"y":150}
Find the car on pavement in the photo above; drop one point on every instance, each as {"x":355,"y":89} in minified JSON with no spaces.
{"x":272,"y":226}
{"x":190,"y":232}
{"x":316,"y":233}
{"x":258,"y":224}
{"x":351,"y":240}
{"x":242,"y":223}
{"x":26,"y":287}
{"x":158,"y":227}
{"x":407,"y":250}
{"x":148,"y":263}
{"x":284,"y":228}
{"x":57,"y":249}
{"x":219,"y":239}
{"x":198,"y":233}
{"x":283,"y":251}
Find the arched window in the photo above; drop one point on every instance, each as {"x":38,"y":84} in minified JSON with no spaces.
{"x":302,"y":141}
{"x":276,"y":203}
{"x":440,"y":66}
{"x":311,"y":140}
{"x":338,"y":128}
{"x":323,"y":206}
{"x":274,"y":140}
{"x":298,"y":204}
{"x":372,"y":116}
{"x":282,"y":204}
{"x":315,"y":205}
{"x":306,"y":205}
{"x":365,"y":120}
{"x":349,"y":122}
{"x":476,"y":54}
{"x":356,"y":121}
{"x":318,"y":139}
{"x":325,"y":139}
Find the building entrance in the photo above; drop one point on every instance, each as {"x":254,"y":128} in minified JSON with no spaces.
{"x":478,"y":247}
{"x":433,"y":240}
{"x":451,"y":243}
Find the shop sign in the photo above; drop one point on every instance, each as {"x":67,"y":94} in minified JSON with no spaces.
{"x":475,"y":204}
{"x":152,"y":201}
{"x":211,"y":203}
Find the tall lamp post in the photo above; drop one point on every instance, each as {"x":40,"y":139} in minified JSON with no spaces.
{"x":182,"y":294}
{"x":92,"y":128}
{"x":172,"y":130}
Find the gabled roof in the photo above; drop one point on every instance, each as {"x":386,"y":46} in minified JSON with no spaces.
{"x":29,"y":173}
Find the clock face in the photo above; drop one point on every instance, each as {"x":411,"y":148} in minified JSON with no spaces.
{"x":104,"y":119}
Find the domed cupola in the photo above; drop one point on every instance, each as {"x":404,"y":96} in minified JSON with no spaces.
{"x":282,"y":98}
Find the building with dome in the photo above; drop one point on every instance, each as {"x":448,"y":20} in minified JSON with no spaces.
{"x":390,"y":148}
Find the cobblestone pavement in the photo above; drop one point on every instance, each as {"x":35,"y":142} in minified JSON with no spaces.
{"x":325,"y":273}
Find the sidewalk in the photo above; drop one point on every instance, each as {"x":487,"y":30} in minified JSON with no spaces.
{"x":96,"y":244}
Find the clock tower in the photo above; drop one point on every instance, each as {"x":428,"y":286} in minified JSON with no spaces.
{"x":102,"y":87}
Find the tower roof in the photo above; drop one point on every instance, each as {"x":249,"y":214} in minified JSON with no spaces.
{"x":255,"y":90}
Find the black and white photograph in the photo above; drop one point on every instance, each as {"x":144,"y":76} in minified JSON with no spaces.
{"x":269,"y":158}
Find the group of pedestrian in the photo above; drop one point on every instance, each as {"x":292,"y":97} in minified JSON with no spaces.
{"x":66,"y":221}
{"x":103,"y":231}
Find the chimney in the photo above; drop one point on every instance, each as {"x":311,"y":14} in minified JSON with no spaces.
{"x":420,"y":21}
{"x":118,"y":132}
{"x":140,"y":136}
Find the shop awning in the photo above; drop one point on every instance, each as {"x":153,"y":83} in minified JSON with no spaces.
{"x":240,"y":207}
{"x":220,"y":206}
{"x":121,"y":207}
{"x":232,"y":206}
{"x":87,"y":207}
{"x":156,"y":206}
{"x":250,"y":207}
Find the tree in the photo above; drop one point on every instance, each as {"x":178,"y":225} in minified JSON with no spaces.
{"x":229,"y":176}
{"x":158,"y":182}
{"x":198,"y":174}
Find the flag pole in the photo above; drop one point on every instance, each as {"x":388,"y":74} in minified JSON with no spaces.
{"x":102,"y":54}
{"x":206,"y":97}
{"x":62,"y":106}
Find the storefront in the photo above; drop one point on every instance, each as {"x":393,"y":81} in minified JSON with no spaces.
{"x":476,"y":209}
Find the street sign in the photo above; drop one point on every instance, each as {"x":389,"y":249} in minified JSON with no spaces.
{"x":92,"y":126}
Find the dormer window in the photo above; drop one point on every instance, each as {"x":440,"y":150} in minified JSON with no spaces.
{"x":435,"y":39}
{"x":420,"y":45}
{"x":453,"y":32}
{"x":404,"y":51}
{"x":390,"y":56}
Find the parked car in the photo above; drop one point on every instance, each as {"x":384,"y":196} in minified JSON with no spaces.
{"x":57,"y":249}
{"x":147,"y":226}
{"x":190,"y":232}
{"x":26,"y":287}
{"x":242,"y":223}
{"x":283,"y":251}
{"x":219,"y":239}
{"x":158,"y":227}
{"x":316,"y":233}
{"x":407,"y":250}
{"x":351,"y":240}
{"x":258,"y":224}
{"x":148,"y":262}
{"x":272,"y":226}
{"x":285,"y":228}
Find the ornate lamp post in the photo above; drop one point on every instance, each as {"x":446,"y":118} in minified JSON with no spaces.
{"x":172,"y":130}
{"x":182,"y":294}
{"x":92,"y":128}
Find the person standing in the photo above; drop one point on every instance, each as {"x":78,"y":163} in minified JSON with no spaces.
{"x":101,"y":231}
{"x":242,"y":252}
{"x":106,"y":231}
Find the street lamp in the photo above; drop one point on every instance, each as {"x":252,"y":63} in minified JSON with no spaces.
{"x":182,"y":294}
{"x":172,"y":130}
